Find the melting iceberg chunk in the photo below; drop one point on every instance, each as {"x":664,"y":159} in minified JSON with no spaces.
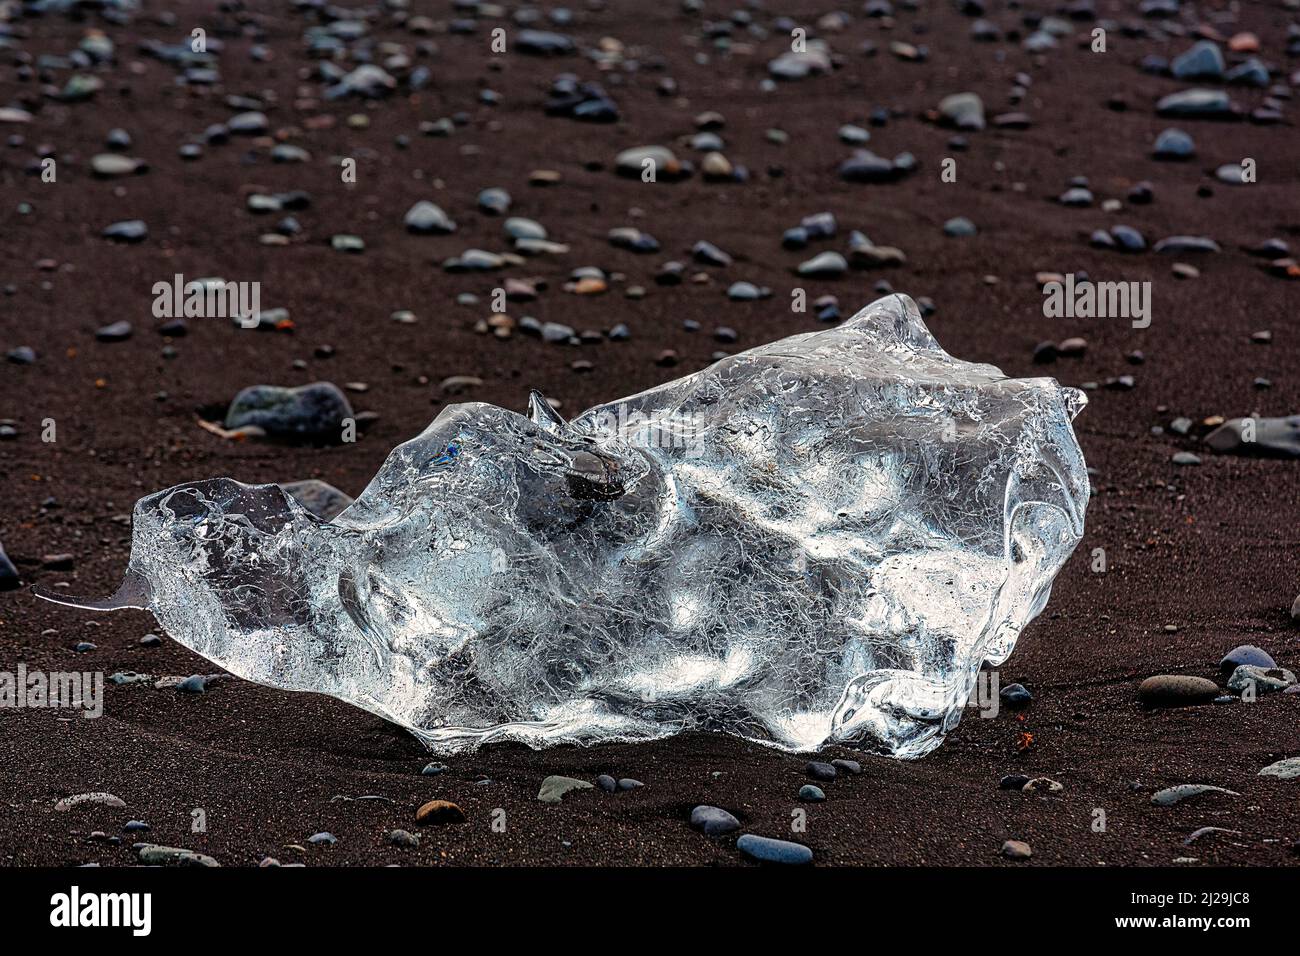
{"x":816,"y":541}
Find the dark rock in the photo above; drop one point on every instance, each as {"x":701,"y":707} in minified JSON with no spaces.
{"x":1245,"y":654}
{"x":543,"y":43}
{"x":314,"y":412}
{"x":1204,"y":61}
{"x":1015,"y":696}
{"x":713,"y":821}
{"x":194,"y":684}
{"x":1185,"y":791}
{"x":821,"y":771}
{"x":1186,"y":245}
{"x":1267,"y":437}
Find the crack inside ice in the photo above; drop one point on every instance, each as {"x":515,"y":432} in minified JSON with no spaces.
{"x":820,"y":540}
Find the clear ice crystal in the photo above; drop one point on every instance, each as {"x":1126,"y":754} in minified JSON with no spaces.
{"x":817,"y":541}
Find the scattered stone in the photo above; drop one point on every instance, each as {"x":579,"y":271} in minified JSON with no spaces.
{"x":847,"y":766}
{"x":98,"y":798}
{"x":628,"y":237}
{"x":1076,"y":196}
{"x":1252,"y":72}
{"x":323,"y":838}
{"x":128,"y":230}
{"x":1043,"y":783}
{"x":345,"y":242}
{"x":825,"y":265}
{"x":821,"y":771}
{"x":1208,"y":104}
{"x":811,"y":794}
{"x":1015,"y":696}
{"x":768,"y":850}
{"x":963,"y":111}
{"x":118,"y":331}
{"x":153,"y":855}
{"x":865,"y":166}
{"x":1174,"y":144}
{"x":607,"y":783}
{"x":1016,"y":850}
{"x":368,"y":81}
{"x":1204,"y":61}
{"x":440,"y":811}
{"x":1261,"y":680}
{"x":494,"y":201}
{"x":644,"y":159}
{"x":717,"y":167}
{"x":799,"y":65}
{"x":114,"y":165}
{"x":1245,"y":654}
{"x":314,"y":412}
{"x":543,"y":43}
{"x":1176,"y":690}
{"x":194,"y":684}
{"x":627,"y":783}
{"x":554,"y":788}
{"x":1288,"y":769}
{"x":1277,"y":437}
{"x":426,"y":218}
{"x":1185,"y":791}
{"x":959,"y":226}
{"x":713,"y":821}
{"x":403,"y":838}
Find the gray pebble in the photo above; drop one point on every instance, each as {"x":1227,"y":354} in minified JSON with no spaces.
{"x":713,"y":821}
{"x":767,"y":850}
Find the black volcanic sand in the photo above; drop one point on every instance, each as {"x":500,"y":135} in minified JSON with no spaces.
{"x":1211,"y":550}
